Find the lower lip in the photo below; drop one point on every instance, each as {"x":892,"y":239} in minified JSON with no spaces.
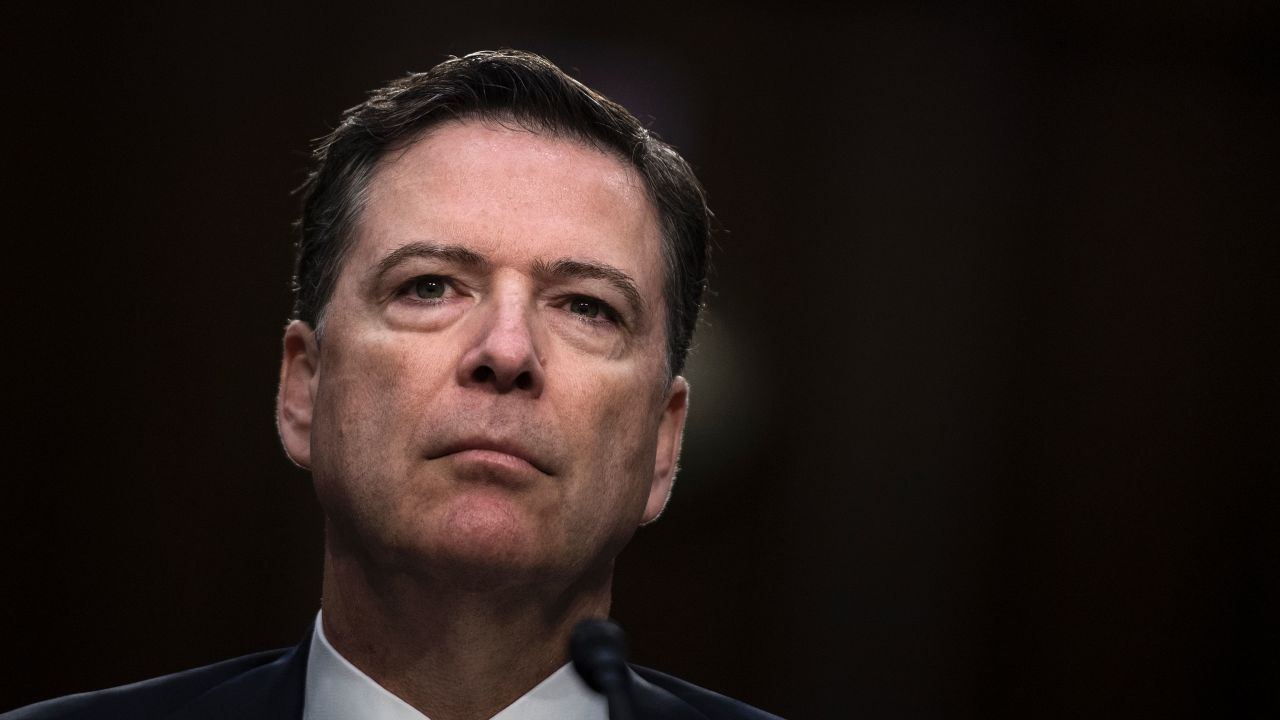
{"x":495,"y":459}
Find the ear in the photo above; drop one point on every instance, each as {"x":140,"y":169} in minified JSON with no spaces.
{"x":299,"y":371}
{"x":670,"y":435}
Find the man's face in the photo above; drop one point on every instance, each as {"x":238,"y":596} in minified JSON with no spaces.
{"x":489,"y":394}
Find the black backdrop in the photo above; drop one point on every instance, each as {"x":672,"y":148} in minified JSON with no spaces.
{"x":984,"y":410}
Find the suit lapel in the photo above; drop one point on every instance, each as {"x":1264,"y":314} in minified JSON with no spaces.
{"x":269,"y":692}
{"x":655,"y":702}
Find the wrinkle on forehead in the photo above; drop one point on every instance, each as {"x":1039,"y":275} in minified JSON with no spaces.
{"x":550,"y":143}
{"x":540,"y":167}
{"x":501,"y":121}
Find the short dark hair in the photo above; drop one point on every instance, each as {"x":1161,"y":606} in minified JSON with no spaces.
{"x":503,"y":85}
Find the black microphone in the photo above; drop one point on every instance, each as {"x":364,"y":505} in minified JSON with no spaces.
{"x":599,"y":651}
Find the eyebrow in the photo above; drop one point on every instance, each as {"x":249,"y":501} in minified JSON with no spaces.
{"x":455,"y":254}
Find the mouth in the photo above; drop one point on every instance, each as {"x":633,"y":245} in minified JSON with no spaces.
{"x":509,"y":455}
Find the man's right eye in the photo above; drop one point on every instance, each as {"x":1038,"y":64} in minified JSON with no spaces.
{"x":428,"y":287}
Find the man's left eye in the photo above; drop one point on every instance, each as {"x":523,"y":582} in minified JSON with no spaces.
{"x":592,"y":310}
{"x":586,"y":307}
{"x":429,"y":287}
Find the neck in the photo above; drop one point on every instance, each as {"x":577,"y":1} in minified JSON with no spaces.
{"x":453,"y":654}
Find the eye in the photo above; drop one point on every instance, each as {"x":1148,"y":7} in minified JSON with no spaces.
{"x":586,"y":307}
{"x":428,"y":287}
{"x":592,"y":310}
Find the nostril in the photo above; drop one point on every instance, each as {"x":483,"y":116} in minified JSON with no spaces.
{"x":524,"y":380}
{"x":482,"y":374}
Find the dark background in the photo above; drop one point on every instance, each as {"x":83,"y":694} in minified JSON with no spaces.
{"x":984,"y":411}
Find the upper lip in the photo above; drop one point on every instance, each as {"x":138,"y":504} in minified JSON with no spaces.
{"x":508,"y":447}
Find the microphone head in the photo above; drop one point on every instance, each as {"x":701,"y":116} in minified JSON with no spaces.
{"x":598,"y":648}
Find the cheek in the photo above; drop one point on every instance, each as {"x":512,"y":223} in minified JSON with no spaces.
{"x":620,"y":430}
{"x":368,"y":411}
{"x":382,"y":380}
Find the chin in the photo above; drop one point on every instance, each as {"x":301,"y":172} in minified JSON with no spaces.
{"x":483,"y":543}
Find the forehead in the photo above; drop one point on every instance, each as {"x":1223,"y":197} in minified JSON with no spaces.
{"x":512,"y":194}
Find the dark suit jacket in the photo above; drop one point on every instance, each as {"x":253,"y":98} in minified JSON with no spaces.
{"x":269,"y":686}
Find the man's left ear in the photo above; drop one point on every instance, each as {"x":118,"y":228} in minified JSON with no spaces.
{"x":670,"y":435}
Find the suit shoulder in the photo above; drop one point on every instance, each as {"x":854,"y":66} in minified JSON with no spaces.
{"x":152,"y":698}
{"x":711,"y":704}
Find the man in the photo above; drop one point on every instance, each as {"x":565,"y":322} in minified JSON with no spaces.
{"x":497,"y":282}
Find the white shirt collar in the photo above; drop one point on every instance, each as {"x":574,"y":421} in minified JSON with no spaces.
{"x":338,"y":690}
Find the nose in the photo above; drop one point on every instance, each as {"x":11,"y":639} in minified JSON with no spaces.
{"x":503,"y":355}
